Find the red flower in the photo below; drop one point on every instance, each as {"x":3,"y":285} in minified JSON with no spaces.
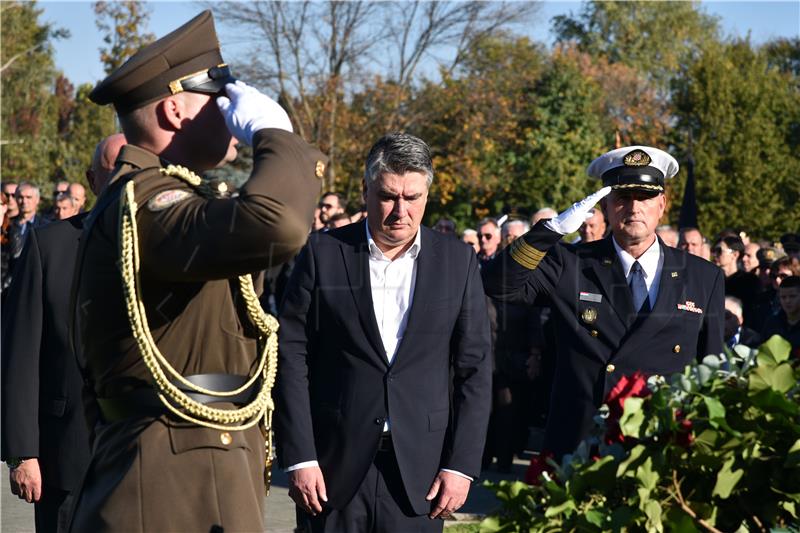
{"x":634,"y":386}
{"x":684,"y":436}
{"x":539,"y":465}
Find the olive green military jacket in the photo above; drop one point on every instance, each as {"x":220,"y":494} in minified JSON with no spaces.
{"x":192,"y":249}
{"x":158,"y":474}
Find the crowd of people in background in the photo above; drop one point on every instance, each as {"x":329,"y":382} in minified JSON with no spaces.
{"x":20,"y":211}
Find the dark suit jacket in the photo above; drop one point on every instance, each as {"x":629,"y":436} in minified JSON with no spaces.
{"x":594,"y":354}
{"x":335,"y":387}
{"x":42,"y":412}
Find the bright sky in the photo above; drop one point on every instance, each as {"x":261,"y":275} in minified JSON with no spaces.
{"x":78,"y":56}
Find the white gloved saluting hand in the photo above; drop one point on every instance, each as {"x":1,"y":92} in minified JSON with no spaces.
{"x":246,"y":110}
{"x":571,"y":219}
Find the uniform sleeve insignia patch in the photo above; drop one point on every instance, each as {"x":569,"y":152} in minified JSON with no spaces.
{"x":167,"y":199}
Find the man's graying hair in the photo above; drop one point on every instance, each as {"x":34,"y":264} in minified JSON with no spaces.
{"x":398,"y":153}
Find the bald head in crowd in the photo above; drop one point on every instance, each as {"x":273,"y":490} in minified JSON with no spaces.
{"x":78,"y":194}
{"x":105,"y":156}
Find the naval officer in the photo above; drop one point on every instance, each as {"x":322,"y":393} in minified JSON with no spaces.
{"x":622,"y":304}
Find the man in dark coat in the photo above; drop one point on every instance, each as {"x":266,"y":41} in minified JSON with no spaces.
{"x":44,"y":436}
{"x":166,"y":313}
{"x":622,"y":304}
{"x":380,"y":321}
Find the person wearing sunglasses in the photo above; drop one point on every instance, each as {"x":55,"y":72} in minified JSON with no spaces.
{"x":727,"y":253}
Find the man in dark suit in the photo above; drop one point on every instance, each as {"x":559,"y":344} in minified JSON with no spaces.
{"x":383,"y":390}
{"x":44,"y":436}
{"x":622,"y":304}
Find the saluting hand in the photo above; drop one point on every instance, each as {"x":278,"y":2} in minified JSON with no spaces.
{"x":307,"y":489}
{"x":451,"y":490}
{"x":246,"y":110}
{"x":571,"y":219}
{"x":26,"y":481}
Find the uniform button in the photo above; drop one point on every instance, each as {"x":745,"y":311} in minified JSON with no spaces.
{"x":593,"y":333}
{"x":676,"y":348}
{"x":610,"y":368}
{"x":379,"y":421}
{"x":225,"y":438}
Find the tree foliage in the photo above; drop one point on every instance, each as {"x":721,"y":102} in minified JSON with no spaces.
{"x":743,"y":118}
{"x":121,"y":22}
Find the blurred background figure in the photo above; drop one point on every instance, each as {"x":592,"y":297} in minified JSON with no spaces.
{"x":513,"y":229}
{"x":735,"y":331}
{"x":727,"y":254}
{"x":668,"y":235}
{"x":78,"y":193}
{"x":330,"y":204}
{"x":5,"y":256}
{"x":65,"y":206}
{"x":488,"y":238}
{"x":543,"y":213}
{"x":446,"y":226}
{"x":338,"y":220}
{"x":10,"y":188}
{"x":470,"y":236}
{"x":692,"y":241}
{"x":786,"y":322}
{"x":595,"y":226}
{"x":750,"y":257}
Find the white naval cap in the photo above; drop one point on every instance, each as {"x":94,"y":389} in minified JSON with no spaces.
{"x":634,"y":167}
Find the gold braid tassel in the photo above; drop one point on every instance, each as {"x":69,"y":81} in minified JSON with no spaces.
{"x":173,"y":398}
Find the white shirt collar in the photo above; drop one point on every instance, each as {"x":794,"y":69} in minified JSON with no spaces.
{"x":376,"y":253}
{"x":648,"y":260}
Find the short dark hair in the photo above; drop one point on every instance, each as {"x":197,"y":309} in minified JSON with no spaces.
{"x":790,"y":282}
{"x":398,"y":153}
{"x":334,"y":193}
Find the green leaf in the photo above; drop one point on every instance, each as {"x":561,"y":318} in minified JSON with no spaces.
{"x":595,"y":517}
{"x":653,"y":512}
{"x":631,"y":460}
{"x":793,"y":455}
{"x":566,"y":507}
{"x":632,"y":417}
{"x":790,"y":508}
{"x":491,"y":524}
{"x":727,"y":480}
{"x":648,"y":478}
{"x":776,"y":350}
{"x":779,"y":378}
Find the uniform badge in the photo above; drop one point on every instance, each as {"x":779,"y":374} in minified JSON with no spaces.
{"x":607,"y":261}
{"x":319,"y":169}
{"x":674,"y":274}
{"x":691,"y":307}
{"x":636,"y":158}
{"x":167,"y":199}
{"x":589,"y":315}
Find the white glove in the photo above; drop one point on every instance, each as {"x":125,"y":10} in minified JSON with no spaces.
{"x":571,"y":219}
{"x":246,"y":111}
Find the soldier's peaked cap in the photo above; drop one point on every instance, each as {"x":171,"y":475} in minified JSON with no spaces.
{"x":187,"y":59}
{"x":642,"y":168}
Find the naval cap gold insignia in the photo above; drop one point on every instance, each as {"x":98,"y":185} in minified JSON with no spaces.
{"x":636,"y":158}
{"x":589,"y":315}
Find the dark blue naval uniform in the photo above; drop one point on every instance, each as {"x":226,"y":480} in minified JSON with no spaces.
{"x":599,"y":335}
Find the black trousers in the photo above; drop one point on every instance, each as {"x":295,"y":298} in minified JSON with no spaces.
{"x":51,"y":512}
{"x":379,"y":506}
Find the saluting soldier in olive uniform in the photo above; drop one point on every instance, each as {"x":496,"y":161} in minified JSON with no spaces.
{"x":179,"y":357}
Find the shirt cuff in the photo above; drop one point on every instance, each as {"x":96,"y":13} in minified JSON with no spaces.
{"x":304,"y":464}
{"x":456,"y":472}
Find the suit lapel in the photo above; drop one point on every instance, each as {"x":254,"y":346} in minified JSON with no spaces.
{"x":611,"y":280}
{"x":356,"y":262}
{"x":425,"y":284}
{"x":670,"y":292}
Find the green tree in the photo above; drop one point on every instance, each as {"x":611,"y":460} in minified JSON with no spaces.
{"x":653,"y":38}
{"x":29,"y":120}
{"x":121,"y":23}
{"x":742,"y":116}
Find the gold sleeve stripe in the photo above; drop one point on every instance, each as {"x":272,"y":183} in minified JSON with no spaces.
{"x":526,"y":255}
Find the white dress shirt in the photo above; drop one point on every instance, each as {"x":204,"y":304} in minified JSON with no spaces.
{"x":652,"y":263}
{"x":392,"y":283}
